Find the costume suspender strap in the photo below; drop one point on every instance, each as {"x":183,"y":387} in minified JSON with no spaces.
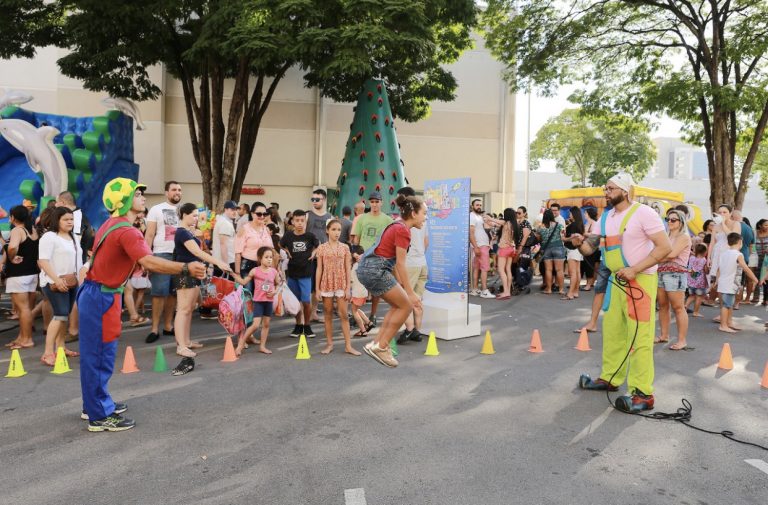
{"x":624,"y":221}
{"x":112,"y":228}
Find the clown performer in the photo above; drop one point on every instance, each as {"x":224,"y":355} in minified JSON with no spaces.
{"x":632,"y":241}
{"x":118,"y":246}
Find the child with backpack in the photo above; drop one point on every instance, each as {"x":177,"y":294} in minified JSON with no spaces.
{"x":334,"y":266}
{"x":266,"y":280}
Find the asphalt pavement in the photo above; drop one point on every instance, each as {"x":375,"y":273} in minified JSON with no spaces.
{"x":460,"y":428}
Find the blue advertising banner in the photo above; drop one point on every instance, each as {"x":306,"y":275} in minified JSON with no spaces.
{"x":448,"y":227}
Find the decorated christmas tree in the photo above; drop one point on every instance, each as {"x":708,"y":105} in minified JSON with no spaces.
{"x":372,"y":156}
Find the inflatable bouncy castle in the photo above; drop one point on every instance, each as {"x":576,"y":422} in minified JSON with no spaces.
{"x":42,"y":155}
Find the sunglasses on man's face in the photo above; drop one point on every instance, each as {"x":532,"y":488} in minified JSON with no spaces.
{"x":261,"y":214}
{"x":316,"y":199}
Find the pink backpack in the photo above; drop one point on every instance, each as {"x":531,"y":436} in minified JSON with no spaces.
{"x":231,"y":312}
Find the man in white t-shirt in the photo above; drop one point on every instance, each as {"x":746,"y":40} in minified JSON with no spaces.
{"x":162,"y":221}
{"x":481,"y":248}
{"x":223,"y":239}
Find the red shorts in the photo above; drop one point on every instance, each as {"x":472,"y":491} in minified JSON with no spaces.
{"x":482,"y":261}
{"x":507,"y":252}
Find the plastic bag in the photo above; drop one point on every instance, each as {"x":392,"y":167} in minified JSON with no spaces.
{"x":215,"y":291}
{"x":278,"y":309}
{"x":290,"y":302}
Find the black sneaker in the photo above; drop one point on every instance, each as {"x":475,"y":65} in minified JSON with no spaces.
{"x":403,"y":338}
{"x":119,"y":409}
{"x":151,"y":338}
{"x":170,"y":333}
{"x":297,"y":331}
{"x":374,"y":321}
{"x":416,"y":336}
{"x":308,"y":331}
{"x":208,"y":315}
{"x":115,"y":422}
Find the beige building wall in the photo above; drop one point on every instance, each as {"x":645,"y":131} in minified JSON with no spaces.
{"x":301,"y":141}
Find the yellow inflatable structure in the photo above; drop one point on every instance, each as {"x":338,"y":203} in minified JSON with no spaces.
{"x":658,"y":199}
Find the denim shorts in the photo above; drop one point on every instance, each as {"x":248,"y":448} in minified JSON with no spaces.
{"x":673,"y":281}
{"x":185,"y":282}
{"x":61,"y":302}
{"x":262,"y":309}
{"x":601,"y":281}
{"x":162,"y":284}
{"x":301,"y":287}
{"x":556,"y":252}
{"x":375,"y":273}
{"x":728,"y":299}
{"x":699,"y":291}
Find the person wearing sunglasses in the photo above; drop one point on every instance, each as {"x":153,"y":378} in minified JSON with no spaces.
{"x":673,"y":281}
{"x":318,"y":218}
{"x":250,"y":238}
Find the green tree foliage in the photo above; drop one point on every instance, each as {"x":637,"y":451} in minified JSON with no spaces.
{"x":338,"y":44}
{"x":27,"y":24}
{"x":592,"y":148}
{"x":702,"y":62}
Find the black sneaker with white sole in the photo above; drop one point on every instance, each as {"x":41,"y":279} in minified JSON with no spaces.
{"x":297,"y":331}
{"x":403,"y":338}
{"x":119,"y":409}
{"x":308,"y":331}
{"x":115,"y":422}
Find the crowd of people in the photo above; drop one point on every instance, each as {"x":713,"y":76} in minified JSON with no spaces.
{"x":340,"y":264}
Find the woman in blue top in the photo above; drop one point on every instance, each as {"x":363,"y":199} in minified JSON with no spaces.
{"x":553,"y":252}
{"x":187,"y":249}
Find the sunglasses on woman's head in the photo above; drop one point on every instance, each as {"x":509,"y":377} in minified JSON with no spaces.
{"x":261,"y":214}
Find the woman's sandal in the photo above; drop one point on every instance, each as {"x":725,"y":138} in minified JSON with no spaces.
{"x":70,"y":353}
{"x":16,"y":345}
{"x":139,"y":321}
{"x":360,"y":334}
{"x":48,"y":359}
{"x":369,"y":326}
{"x":185,"y":366}
{"x":195,"y":345}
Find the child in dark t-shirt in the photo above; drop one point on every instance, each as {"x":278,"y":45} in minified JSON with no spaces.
{"x":300,"y":245}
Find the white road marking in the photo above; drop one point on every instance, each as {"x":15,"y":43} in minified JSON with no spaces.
{"x":759,"y":464}
{"x":354,"y":496}
{"x":591,"y":427}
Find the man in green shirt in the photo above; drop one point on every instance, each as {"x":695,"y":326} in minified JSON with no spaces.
{"x":367,"y":229}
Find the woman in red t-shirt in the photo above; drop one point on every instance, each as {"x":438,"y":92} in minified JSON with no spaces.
{"x":381,"y":267}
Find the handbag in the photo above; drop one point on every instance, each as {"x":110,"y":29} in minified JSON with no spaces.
{"x":216,"y":290}
{"x":539,"y":254}
{"x":70,"y":280}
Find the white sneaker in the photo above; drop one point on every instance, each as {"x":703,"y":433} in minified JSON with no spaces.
{"x":474,"y":292}
{"x":487,"y":294}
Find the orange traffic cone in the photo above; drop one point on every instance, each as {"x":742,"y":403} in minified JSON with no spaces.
{"x":129,"y":362}
{"x":229,"y":351}
{"x":535,"y":342}
{"x":583,"y":343}
{"x":764,"y":382}
{"x":726,"y":360}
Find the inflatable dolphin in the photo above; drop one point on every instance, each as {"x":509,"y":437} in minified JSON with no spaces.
{"x":42,"y":155}
{"x":14,"y":97}
{"x":125,"y":106}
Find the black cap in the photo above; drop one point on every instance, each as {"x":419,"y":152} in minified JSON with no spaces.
{"x":229,"y":204}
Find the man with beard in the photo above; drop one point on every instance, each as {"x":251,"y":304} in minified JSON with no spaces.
{"x":162,"y":221}
{"x":481,"y":249}
{"x":633,"y":241}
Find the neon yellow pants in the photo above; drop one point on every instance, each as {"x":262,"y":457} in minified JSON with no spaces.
{"x":619,"y":322}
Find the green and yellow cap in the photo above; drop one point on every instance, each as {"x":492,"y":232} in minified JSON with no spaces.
{"x":118,"y":195}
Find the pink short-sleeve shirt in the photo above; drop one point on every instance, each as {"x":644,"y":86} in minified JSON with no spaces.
{"x":636,"y":243}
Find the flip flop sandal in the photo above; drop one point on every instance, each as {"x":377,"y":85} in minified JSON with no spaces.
{"x":683,"y":348}
{"x":17,"y":345}
{"x":659,"y":341}
{"x":139,"y":322}
{"x":360,"y":334}
{"x":48,"y":359}
{"x":195,"y":345}
{"x":185,"y":366}
{"x":71,"y":354}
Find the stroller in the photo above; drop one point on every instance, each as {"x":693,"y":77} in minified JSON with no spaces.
{"x":523,"y":272}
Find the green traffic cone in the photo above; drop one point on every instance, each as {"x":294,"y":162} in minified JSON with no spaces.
{"x":160,"y":364}
{"x":393,"y":346}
